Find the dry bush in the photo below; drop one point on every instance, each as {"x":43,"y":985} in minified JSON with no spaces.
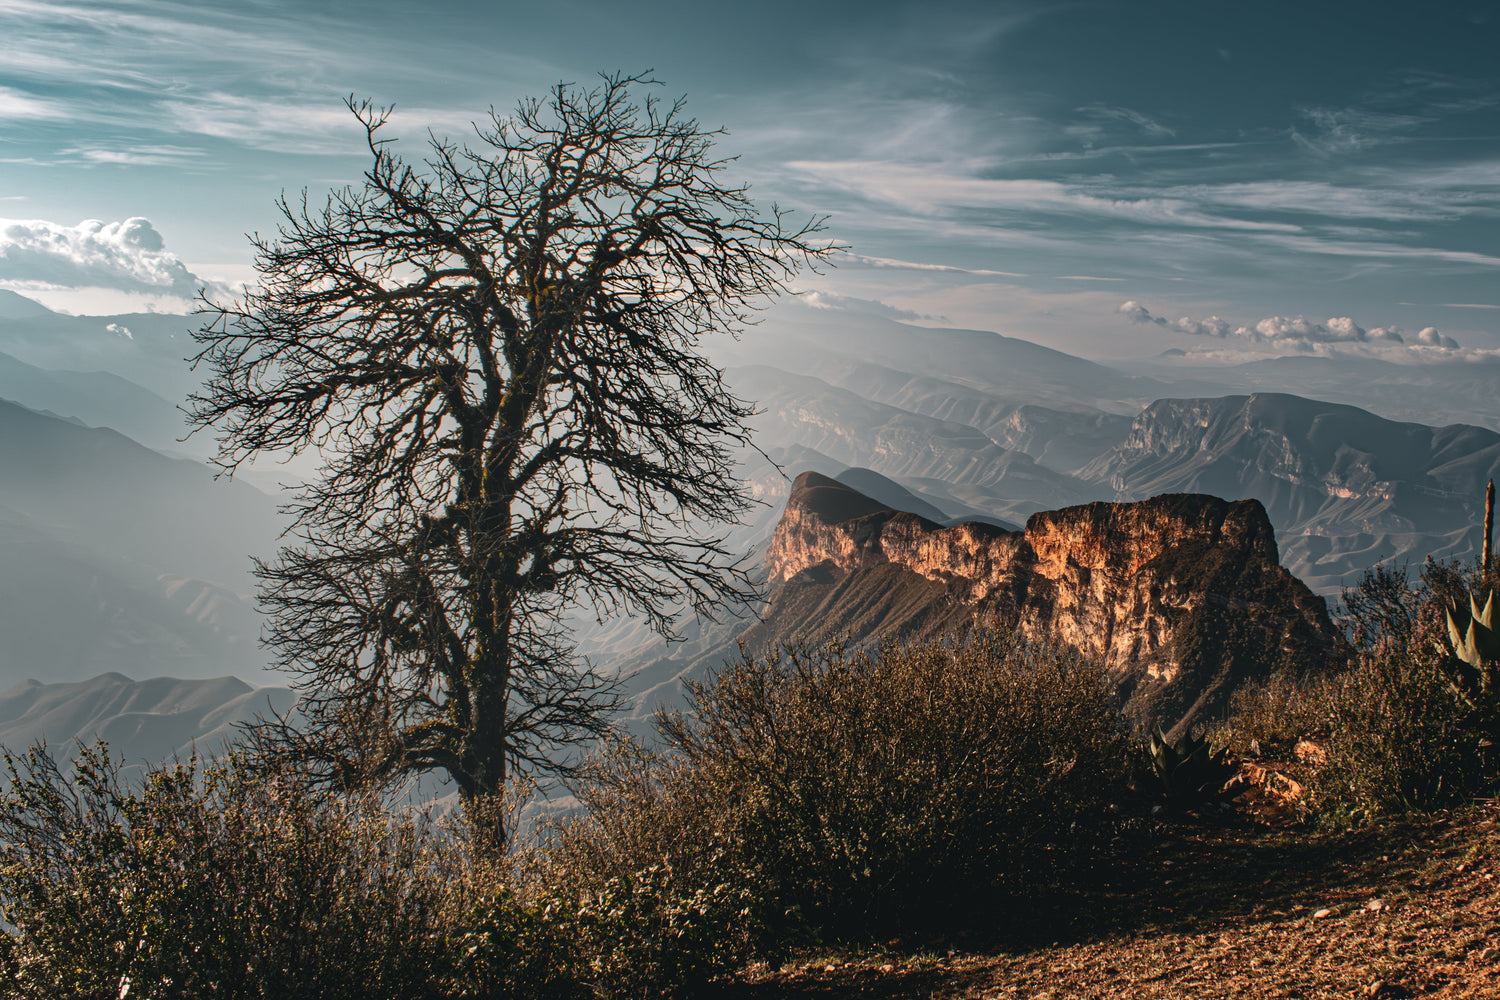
{"x":852,"y":794}
{"x":223,"y":880}
{"x":1398,"y":741}
{"x":1274,"y":714}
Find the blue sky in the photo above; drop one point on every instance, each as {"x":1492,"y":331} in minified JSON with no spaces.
{"x":1109,"y":178}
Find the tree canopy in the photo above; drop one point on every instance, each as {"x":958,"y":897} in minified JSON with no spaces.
{"x":495,"y":352}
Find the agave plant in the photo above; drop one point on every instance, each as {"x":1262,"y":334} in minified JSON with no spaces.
{"x":1472,"y":659}
{"x":1189,"y":768}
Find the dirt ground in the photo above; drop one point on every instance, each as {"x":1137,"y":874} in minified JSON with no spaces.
{"x":1208,"y":908}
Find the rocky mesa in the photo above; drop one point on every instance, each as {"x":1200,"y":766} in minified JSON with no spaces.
{"x":1182,"y":596}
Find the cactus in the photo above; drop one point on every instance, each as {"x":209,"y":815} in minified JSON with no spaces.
{"x":1189,"y":768}
{"x":1471,"y":660}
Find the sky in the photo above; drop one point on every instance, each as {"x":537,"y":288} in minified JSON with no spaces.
{"x":1114,"y":179}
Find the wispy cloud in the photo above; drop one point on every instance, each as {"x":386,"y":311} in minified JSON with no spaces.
{"x":267,"y":78}
{"x":937,"y":190}
{"x":1380,"y":251}
{"x":1143,"y":123}
{"x":284,"y":126}
{"x":1412,"y":200}
{"x":1336,"y":131}
{"x":136,"y":156}
{"x":908,"y":265}
{"x":16,"y":104}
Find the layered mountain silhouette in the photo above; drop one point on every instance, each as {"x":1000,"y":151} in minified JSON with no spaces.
{"x":118,"y":558}
{"x":142,"y":722}
{"x":97,"y":399}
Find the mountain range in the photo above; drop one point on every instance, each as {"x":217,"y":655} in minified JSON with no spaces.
{"x":118,"y":559}
{"x":142,"y":722}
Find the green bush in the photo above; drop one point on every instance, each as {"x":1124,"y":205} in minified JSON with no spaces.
{"x":857,"y":794}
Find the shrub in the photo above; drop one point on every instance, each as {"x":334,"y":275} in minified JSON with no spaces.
{"x":1389,"y":609}
{"x":235,"y":879}
{"x":1399,"y":740}
{"x":864,"y":793}
{"x":217,"y":881}
{"x":1274,"y":714}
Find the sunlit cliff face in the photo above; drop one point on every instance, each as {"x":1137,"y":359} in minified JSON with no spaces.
{"x":1181,"y":596}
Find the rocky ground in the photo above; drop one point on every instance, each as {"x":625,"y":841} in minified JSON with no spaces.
{"x":1207,"y":907}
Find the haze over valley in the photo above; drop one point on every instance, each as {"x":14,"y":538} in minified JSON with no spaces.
{"x":1091,"y":253}
{"x":122,"y":561}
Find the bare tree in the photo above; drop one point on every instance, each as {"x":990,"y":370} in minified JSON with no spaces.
{"x":495,"y":352}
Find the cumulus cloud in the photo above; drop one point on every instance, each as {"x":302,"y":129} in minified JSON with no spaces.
{"x":1429,"y":336}
{"x":96,"y":267}
{"x":1212,"y":326}
{"x":1294,"y":332}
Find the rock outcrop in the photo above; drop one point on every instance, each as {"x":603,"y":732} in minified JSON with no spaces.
{"x":1181,"y":596}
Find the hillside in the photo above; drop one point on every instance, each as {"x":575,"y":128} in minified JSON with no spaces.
{"x":1182,"y":596}
{"x":118,"y":558}
{"x":1219,"y":912}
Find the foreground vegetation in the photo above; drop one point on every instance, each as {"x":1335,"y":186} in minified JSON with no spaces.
{"x":870,"y":806}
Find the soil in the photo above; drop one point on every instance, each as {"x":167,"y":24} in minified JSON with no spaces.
{"x":1208,"y":907}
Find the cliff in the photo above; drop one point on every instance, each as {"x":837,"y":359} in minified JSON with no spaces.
{"x":1181,"y":596}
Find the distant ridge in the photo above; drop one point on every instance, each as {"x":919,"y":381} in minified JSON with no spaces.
{"x":143,"y":722}
{"x":1344,"y":487}
{"x":119,"y":558}
{"x":17,"y":306}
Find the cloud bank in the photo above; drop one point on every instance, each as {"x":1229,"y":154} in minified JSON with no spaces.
{"x":96,"y":267}
{"x":1295,"y":332}
{"x":863,"y":307}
